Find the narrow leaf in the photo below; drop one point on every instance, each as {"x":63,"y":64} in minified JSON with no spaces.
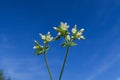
{"x":73,"y":44}
{"x":64,"y":44}
{"x":47,"y":48}
{"x":57,"y":37}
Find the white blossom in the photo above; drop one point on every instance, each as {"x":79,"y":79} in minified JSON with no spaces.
{"x":48,"y":37}
{"x":74,"y":30}
{"x":64,"y":26}
{"x":42,"y":36}
{"x":77,"y":34}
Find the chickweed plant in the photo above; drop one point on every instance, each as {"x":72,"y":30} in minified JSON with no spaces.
{"x":69,"y":40}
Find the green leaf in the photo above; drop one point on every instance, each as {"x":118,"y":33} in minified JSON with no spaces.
{"x":42,"y":51}
{"x":73,"y":44}
{"x":57,"y":37}
{"x":47,"y":48}
{"x":58,"y":29}
{"x":37,"y":44}
{"x":38,"y":50}
{"x":64,"y":44}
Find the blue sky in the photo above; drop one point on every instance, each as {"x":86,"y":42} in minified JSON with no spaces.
{"x":96,"y":58}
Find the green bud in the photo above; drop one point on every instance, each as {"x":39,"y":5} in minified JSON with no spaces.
{"x":73,"y":44}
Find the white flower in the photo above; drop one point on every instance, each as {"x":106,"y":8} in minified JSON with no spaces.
{"x":74,"y":30}
{"x":64,"y":26}
{"x":42,"y":36}
{"x":48,"y":37}
{"x":77,"y":34}
{"x":62,"y":30}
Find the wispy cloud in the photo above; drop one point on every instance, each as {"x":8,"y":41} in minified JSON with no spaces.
{"x":22,"y":69}
{"x":108,"y":62}
{"x":118,"y":78}
{"x":5,"y":41}
{"x":3,"y":38}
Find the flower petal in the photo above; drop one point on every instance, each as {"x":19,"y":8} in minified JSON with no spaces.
{"x":42,"y":36}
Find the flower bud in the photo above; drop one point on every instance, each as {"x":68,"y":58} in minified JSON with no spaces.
{"x":68,"y":37}
{"x":81,"y":30}
{"x":74,"y":30}
{"x":34,"y":47}
{"x":55,"y":28}
{"x":59,"y":33}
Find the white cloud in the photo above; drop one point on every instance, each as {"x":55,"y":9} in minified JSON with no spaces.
{"x":118,"y":78}
{"x":22,"y":69}
{"x":106,"y":65}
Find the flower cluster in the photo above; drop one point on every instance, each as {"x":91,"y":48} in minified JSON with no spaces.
{"x":46,"y":38}
{"x":63,"y":29}
{"x":40,"y":49}
{"x":77,"y":34}
{"x":63,"y":32}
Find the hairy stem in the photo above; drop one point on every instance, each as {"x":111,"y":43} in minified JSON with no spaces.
{"x":46,"y":62}
{"x":63,"y":66}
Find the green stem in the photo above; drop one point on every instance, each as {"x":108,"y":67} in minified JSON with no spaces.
{"x":63,"y":66}
{"x":46,"y":62}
